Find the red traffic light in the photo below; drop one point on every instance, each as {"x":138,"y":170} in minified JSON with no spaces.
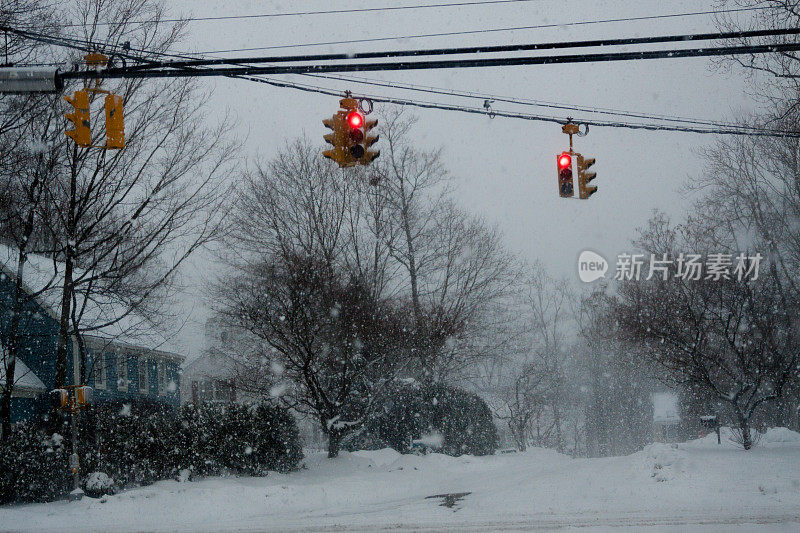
{"x":355,"y":119}
{"x":564,"y":161}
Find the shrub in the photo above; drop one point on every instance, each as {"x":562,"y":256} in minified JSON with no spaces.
{"x":33,"y":465}
{"x":246,"y":439}
{"x":411,"y":411}
{"x":142,"y":442}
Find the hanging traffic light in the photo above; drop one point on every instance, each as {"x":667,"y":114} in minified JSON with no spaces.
{"x":584,"y":177}
{"x":565,"y":183}
{"x":350,"y":139}
{"x":115,"y":122}
{"x":82,"y":134}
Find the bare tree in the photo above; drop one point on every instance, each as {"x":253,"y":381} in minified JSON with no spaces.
{"x":773,"y":76}
{"x":455,"y":266}
{"x":736,"y":338}
{"x":27,"y":168}
{"x":128,"y":219}
{"x":337,"y":345}
{"x":615,"y":380}
{"x":526,"y":381}
{"x":311,"y":285}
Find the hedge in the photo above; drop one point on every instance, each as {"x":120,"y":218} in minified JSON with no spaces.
{"x":140,"y":443}
{"x":410,"y":411}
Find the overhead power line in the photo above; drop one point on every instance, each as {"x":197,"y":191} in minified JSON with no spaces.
{"x":485,"y":30}
{"x":86,"y":46}
{"x":718,"y":129}
{"x":529,"y":116}
{"x":476,"y":49}
{"x":123,"y":73}
{"x":319,"y":12}
{"x":531,"y":102}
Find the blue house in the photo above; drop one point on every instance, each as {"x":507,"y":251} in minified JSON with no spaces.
{"x":127,"y":360}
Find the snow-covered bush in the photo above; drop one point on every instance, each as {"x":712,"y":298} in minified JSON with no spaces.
{"x":124,"y":443}
{"x":245,"y":439}
{"x":461,"y":420}
{"x":33,"y":465}
{"x":97,"y":484}
{"x":132,"y":441}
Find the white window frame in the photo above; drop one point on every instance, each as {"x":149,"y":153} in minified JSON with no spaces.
{"x":122,"y":371}
{"x":161,"y":376}
{"x":100,"y":371}
{"x":144,"y":371}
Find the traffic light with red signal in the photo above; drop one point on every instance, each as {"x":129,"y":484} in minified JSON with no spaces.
{"x":355,"y":124}
{"x":566,"y":187}
{"x":350,"y":137}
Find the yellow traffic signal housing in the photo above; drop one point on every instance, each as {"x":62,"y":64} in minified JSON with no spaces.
{"x":566,"y":188}
{"x":369,"y":140}
{"x":115,"y":122}
{"x":584,"y":177}
{"x":84,"y":396}
{"x":82,"y":134}
{"x":339,"y":139}
{"x":350,"y":136}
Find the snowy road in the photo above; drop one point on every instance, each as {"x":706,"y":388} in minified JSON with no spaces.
{"x":697,"y":486}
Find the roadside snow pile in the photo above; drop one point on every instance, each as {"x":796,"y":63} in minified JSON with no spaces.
{"x":727,"y":437}
{"x":662,"y":461}
{"x":773,"y":437}
{"x":379,"y":458}
{"x":780,"y":436}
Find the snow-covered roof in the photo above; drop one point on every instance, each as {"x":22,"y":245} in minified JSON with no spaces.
{"x":24,"y":378}
{"x":45,"y":276}
{"x":665,"y":407}
{"x":210,"y":364}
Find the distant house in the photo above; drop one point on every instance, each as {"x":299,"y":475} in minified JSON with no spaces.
{"x":211,"y":377}
{"x":215,"y":377}
{"x":124,"y":361}
{"x":666,"y":417}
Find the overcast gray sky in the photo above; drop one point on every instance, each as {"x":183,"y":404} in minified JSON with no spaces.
{"x":504,"y":168}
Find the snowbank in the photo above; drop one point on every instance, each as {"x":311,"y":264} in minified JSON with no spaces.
{"x":780,"y":436}
{"x":773,"y":437}
{"x":678,"y":487}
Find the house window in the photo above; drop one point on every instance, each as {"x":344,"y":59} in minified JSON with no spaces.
{"x":161,"y":370}
{"x":213,"y":390}
{"x":100,"y":371}
{"x":122,"y":372}
{"x":223,"y":391}
{"x":144,"y":377}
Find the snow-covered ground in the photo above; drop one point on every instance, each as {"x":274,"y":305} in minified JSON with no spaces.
{"x":696,"y":486}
